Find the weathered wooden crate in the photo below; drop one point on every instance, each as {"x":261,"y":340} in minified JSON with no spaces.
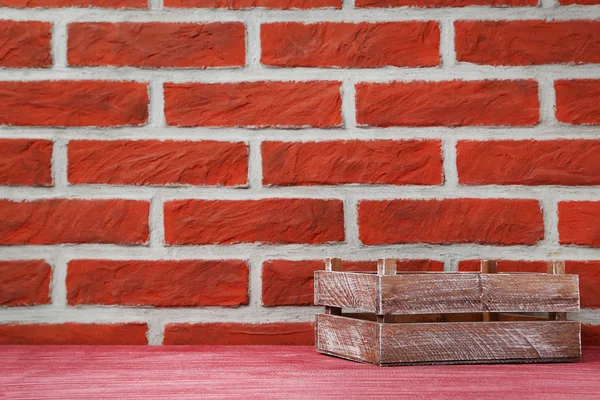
{"x":447,"y":318}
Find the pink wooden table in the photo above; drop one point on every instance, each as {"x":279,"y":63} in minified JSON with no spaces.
{"x":272,"y":372}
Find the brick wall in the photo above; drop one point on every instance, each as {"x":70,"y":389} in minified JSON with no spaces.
{"x":173,"y":171}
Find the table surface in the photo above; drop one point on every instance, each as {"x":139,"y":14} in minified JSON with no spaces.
{"x":272,"y":372}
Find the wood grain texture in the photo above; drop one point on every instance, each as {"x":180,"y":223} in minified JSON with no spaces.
{"x":423,"y":293}
{"x":354,"y":339}
{"x":530,"y":292}
{"x":273,"y":373}
{"x":448,"y":343}
{"x":346,"y":290}
{"x":480,"y":342}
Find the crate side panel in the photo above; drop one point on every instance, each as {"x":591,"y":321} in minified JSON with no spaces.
{"x":463,"y":293}
{"x":430,"y":293}
{"x":346,"y":290}
{"x":530,"y":292}
{"x":349,"y":338}
{"x":481,"y":342}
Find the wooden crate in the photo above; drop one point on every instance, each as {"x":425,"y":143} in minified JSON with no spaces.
{"x":447,"y":318}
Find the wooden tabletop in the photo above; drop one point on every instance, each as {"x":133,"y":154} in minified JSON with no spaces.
{"x":272,"y":372}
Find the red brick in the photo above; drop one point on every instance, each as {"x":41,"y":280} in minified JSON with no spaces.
{"x":590,"y":335}
{"x":485,"y":221}
{"x":529,"y":162}
{"x":188,"y":283}
{"x":579,"y":223}
{"x":578,"y":101}
{"x":25,"y":162}
{"x":291,"y":283}
{"x":392,"y":162}
{"x":24,"y":283}
{"x":25,"y":44}
{"x":589,"y":281}
{"x":505,"y":266}
{"x":527,"y":42}
{"x":58,"y":221}
{"x":74,"y":334}
{"x":241,"y":4}
{"x":277,"y":221}
{"x":226,"y":333}
{"x":582,"y":2}
{"x":73,"y":103}
{"x":444,"y":3}
{"x":254,"y":104}
{"x":449,"y":103}
{"x":74,"y":3}
{"x":155,"y":44}
{"x":153,"y":162}
{"x":351,"y":45}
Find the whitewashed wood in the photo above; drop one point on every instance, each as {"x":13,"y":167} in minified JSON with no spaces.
{"x":557,"y":268}
{"x":489,"y":267}
{"x":480,"y":342}
{"x":447,"y":292}
{"x":530,"y":292}
{"x":354,"y":339}
{"x":448,"y":343}
{"x":333,"y":264}
{"x":386,"y":266}
{"x":346,"y":290}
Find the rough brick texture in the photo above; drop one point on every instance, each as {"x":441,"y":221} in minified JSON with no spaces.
{"x":188,"y":164}
{"x":254,"y":104}
{"x":73,"y":221}
{"x":529,"y":162}
{"x":153,"y":44}
{"x":579,"y":222}
{"x":25,"y":44}
{"x":590,"y":335}
{"x":451,"y":103}
{"x":242,"y":4}
{"x":188,"y":283}
{"x":240,"y":334}
{"x":582,"y":2}
{"x":486,"y":221}
{"x":361,"y":45}
{"x":291,"y":283}
{"x":25,"y":162}
{"x":408,"y":162}
{"x":24,"y":283}
{"x":444,"y":3}
{"x":74,"y":3}
{"x":527,"y":42}
{"x":276,"y":221}
{"x":154,"y":162}
{"x":578,"y":101}
{"x":74,"y":334}
{"x":73,"y":103}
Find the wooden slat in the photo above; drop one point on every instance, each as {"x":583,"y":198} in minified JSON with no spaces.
{"x":489,"y":267}
{"x":349,"y":338}
{"x":346,"y":290}
{"x":459,"y":293}
{"x":480,"y":342}
{"x":557,"y":268}
{"x":386,"y":266}
{"x":530,"y":292}
{"x":333,"y":264}
{"x":430,"y":293}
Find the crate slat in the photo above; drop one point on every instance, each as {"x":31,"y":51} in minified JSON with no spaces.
{"x":448,"y":343}
{"x":481,"y":342}
{"x":346,"y":290}
{"x":447,"y":292}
